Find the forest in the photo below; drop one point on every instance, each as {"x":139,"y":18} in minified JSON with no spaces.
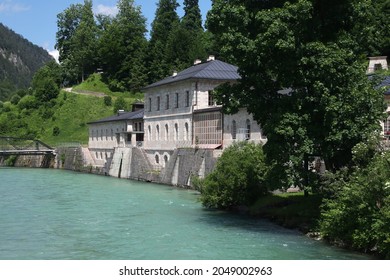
{"x":19,"y":60}
{"x":118,"y":46}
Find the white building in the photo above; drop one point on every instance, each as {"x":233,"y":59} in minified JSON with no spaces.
{"x":123,"y":130}
{"x":180,"y":112}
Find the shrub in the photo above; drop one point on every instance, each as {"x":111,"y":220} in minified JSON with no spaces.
{"x":107,"y":100}
{"x":28,"y":102}
{"x":56,"y":131}
{"x":238,"y":178}
{"x":120,"y":104}
{"x":15,"y":99}
{"x":358,"y":214}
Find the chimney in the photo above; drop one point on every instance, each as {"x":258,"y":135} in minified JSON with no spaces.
{"x":377,"y":63}
{"x":198,"y":61}
{"x":120,"y":112}
{"x":211,"y":58}
{"x":174,"y":73}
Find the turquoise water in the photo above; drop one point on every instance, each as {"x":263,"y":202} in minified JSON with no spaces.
{"x":53,"y":214}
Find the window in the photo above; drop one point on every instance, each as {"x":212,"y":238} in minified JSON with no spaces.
{"x":187,"y":98}
{"x":166,"y":132}
{"x":377,"y":67}
{"x":106,"y":134}
{"x":176,"y":100}
{"x":150,"y":104}
{"x":211,"y":98}
{"x":157,"y":158}
{"x":186,"y":130}
{"x":92,"y":132}
{"x":248,"y":130}
{"x":234,"y":130}
{"x":165,"y":159}
{"x":135,"y":126}
{"x":167,"y":102}
{"x":149,"y":133}
{"x":176,"y":132}
{"x":158,"y":103}
{"x":158,"y":133}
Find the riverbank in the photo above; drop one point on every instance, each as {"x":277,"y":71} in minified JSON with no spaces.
{"x":291,"y":210}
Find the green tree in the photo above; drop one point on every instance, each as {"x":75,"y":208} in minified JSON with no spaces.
{"x":84,"y":42}
{"x":238,"y":178}
{"x":165,"y":20}
{"x":188,"y":41}
{"x":123,"y":48}
{"x":302,"y":78}
{"x":192,"y":19}
{"x":357,"y":214}
{"x":76,"y":40}
{"x":67,"y":23}
{"x":46,"y":83}
{"x":120,"y":104}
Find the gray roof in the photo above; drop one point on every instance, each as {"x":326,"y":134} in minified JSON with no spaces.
{"x":386,"y":83}
{"x":211,"y":70}
{"x":122,"y":117}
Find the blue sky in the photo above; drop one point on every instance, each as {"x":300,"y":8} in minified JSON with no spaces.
{"x":36,"y":20}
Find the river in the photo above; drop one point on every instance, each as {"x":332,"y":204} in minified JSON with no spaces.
{"x":60,"y":215}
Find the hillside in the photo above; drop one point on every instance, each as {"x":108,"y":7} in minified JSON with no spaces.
{"x":19,"y":60}
{"x":63,"y":119}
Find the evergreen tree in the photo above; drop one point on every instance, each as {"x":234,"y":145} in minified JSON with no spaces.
{"x":165,"y":21}
{"x":192,"y":19}
{"x":187,"y":41}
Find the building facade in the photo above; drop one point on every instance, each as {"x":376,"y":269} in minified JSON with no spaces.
{"x":180,"y":112}
{"x":125,"y":129}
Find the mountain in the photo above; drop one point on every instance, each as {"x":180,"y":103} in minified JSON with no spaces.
{"x":19,"y":60}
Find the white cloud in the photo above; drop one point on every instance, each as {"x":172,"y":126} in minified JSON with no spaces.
{"x":11,"y":6}
{"x":55,"y":54}
{"x":106,"y":10}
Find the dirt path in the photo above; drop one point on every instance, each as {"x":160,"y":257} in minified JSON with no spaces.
{"x":86,"y":92}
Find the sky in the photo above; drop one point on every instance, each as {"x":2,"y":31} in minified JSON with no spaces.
{"x":36,"y":20}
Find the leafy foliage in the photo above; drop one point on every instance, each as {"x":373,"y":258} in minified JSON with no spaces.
{"x":238,"y":178}
{"x":46,"y":82}
{"x":358,"y":214}
{"x":300,"y":78}
{"x":123,"y":49}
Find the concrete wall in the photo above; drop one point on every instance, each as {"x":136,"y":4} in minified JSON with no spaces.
{"x":32,"y":161}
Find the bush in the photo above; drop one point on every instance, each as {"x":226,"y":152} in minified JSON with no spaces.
{"x":120,"y":104}
{"x":358,"y":214}
{"x":238,"y":178}
{"x":56,"y":131}
{"x":28,"y":102}
{"x":15,"y":99}
{"x":107,"y":100}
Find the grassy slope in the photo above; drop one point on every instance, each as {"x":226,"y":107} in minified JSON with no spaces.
{"x":72,"y":117}
{"x":95,"y":84}
{"x":72,"y":112}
